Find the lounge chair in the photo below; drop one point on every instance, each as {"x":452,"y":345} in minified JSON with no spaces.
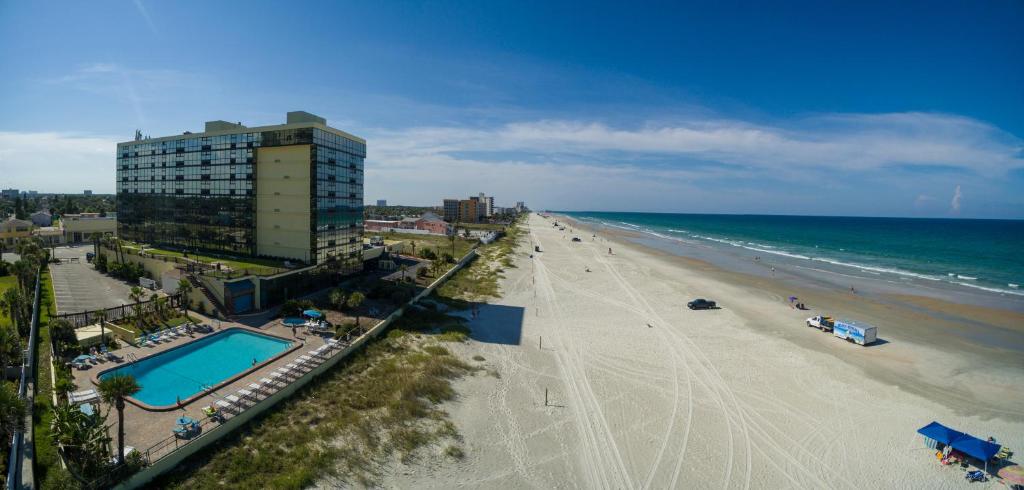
{"x":246,"y":394}
{"x":235,"y":400}
{"x":225,"y":405}
{"x":276,"y":378}
{"x":81,"y":366}
{"x":84,"y":396}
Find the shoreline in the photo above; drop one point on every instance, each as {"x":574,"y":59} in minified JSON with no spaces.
{"x":602,"y":378}
{"x":986,"y":356}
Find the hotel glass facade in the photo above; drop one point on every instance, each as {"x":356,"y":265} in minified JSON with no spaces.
{"x":198,"y":191}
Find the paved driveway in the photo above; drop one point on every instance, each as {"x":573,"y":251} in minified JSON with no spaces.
{"x":78,"y":287}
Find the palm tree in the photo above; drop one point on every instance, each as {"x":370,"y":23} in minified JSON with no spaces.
{"x":10,"y":347}
{"x":353,"y":302}
{"x":184,"y":287}
{"x":12,"y":411}
{"x":337,"y":298}
{"x":136,"y":295}
{"x":160,"y":307}
{"x":114,"y":390}
{"x":101,"y":317}
{"x":403,"y":268}
{"x":96,"y":243}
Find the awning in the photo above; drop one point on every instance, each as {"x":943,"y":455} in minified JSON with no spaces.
{"x":312,"y":313}
{"x":965,"y":443}
{"x":940,"y":433}
{"x":972,"y":446}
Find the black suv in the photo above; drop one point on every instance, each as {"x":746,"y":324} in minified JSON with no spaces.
{"x":701,"y":304}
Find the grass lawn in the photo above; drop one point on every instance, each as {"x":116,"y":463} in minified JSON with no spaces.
{"x":46,"y":458}
{"x":253,"y":265}
{"x":6,"y":282}
{"x":440,"y":244}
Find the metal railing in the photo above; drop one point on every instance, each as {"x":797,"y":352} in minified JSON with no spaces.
{"x":14,"y":466}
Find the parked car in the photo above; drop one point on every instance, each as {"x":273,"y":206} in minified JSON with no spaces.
{"x":701,"y":304}
{"x":576,"y":239}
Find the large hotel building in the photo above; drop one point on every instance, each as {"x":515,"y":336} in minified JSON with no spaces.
{"x":292,"y":191}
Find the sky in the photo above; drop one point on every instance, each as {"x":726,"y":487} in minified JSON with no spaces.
{"x":835,"y":108}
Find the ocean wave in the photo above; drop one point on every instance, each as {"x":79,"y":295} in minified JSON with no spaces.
{"x":990,"y":289}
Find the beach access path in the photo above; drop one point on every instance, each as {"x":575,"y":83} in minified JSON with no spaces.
{"x":644,"y":393}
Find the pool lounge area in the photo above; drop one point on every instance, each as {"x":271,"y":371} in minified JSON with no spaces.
{"x":174,"y":377}
{"x":145,"y":428}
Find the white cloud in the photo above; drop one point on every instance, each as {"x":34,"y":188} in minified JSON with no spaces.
{"x":954,"y":204}
{"x":573,"y":164}
{"x":56,"y":162}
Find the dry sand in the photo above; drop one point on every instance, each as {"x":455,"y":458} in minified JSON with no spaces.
{"x":644,"y":393}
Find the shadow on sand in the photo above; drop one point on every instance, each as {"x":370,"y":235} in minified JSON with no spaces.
{"x":498,"y":324}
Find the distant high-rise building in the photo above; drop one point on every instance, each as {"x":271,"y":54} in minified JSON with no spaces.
{"x":488,"y":205}
{"x":382,"y":203}
{"x":469,"y":210}
{"x":10,"y":193}
{"x":520,"y":206}
{"x":87,"y":192}
{"x":451,"y":210}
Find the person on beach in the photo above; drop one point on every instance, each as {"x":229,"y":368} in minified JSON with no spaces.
{"x":609,"y":250}
{"x":294,"y":333}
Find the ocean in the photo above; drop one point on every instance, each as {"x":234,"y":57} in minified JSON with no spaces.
{"x":977,"y":255}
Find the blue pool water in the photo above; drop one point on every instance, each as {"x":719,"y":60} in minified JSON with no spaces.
{"x":186,"y":370}
{"x":292,"y":321}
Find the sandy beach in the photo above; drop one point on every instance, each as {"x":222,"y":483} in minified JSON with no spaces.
{"x":644,"y":393}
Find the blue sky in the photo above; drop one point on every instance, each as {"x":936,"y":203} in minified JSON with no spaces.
{"x":851,"y":108}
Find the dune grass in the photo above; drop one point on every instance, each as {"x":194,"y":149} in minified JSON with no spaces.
{"x":382,"y":404}
{"x":479,"y":280}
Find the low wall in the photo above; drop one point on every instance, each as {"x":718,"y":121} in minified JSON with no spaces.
{"x":211,"y":436}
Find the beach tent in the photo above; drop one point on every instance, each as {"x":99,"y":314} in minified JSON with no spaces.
{"x":972,"y":446}
{"x":940,"y":433}
{"x":965,"y":443}
{"x":312,"y":313}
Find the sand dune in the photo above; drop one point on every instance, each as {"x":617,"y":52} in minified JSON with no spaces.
{"x":644,"y":393}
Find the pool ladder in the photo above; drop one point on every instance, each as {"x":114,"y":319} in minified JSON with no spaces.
{"x":132,"y":358}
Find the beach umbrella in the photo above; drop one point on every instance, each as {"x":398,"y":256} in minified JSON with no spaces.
{"x":792,"y":299}
{"x":312,"y":313}
{"x":82,"y":358}
{"x":185,"y":420}
{"x":1013,"y":474}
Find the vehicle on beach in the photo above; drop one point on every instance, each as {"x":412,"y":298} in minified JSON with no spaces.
{"x":701,"y":304}
{"x":856,"y":332}
{"x":821,"y":322}
{"x":576,"y":239}
{"x":536,"y":248}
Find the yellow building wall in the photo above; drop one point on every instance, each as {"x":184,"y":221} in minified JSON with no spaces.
{"x":283,"y":202}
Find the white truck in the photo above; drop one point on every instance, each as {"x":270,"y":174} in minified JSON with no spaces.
{"x":821,"y":322}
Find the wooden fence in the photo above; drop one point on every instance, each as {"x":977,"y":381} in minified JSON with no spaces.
{"x":85,"y":318}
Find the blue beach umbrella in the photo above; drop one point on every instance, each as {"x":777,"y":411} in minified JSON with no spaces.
{"x":312,"y":313}
{"x":185,"y":420}
{"x":82,"y":358}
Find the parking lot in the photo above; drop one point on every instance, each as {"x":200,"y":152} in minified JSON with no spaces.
{"x":78,"y":287}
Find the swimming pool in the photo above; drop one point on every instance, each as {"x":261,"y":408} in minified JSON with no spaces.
{"x":183,"y":372}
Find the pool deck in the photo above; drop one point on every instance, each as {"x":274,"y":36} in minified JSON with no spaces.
{"x":144,"y":428}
